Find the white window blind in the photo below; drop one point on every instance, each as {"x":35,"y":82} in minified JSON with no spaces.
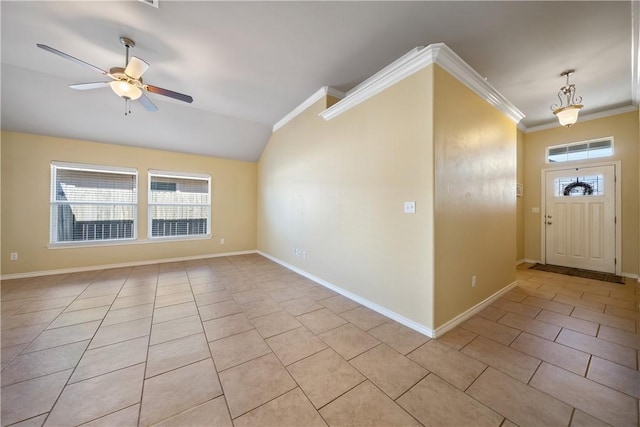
{"x":92,"y":203}
{"x":179,"y":204}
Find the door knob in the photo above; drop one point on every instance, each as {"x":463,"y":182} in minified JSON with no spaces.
{"x":549,"y":222}
{"x":549,"y":216}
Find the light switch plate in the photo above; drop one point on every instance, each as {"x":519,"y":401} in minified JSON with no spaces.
{"x":409,"y":207}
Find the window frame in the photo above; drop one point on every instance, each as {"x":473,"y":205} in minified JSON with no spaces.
{"x":572,"y":144}
{"x":150,"y":205}
{"x":54,"y":203}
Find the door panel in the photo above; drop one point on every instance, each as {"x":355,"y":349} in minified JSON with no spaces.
{"x":580,"y":218}
{"x":560,"y":217}
{"x":577,"y":230}
{"x":597,"y":230}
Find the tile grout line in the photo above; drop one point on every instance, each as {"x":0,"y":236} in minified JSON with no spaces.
{"x":111,"y":413}
{"x":473,"y":397}
{"x":573,"y":413}
{"x":587,"y":367}
{"x":209,"y":350}
{"x":45,"y":328}
{"x":392,"y":399}
{"x":66,"y":384}
{"x":599,"y":326}
{"x":267,"y":402}
{"x":144,"y":373}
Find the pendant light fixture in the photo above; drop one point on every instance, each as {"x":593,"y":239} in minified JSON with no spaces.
{"x":567,"y":112}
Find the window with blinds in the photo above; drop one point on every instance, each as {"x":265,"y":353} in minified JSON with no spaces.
{"x":179,"y":204}
{"x":92,"y":203}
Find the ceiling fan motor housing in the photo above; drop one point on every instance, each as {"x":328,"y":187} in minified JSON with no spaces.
{"x":119,"y":74}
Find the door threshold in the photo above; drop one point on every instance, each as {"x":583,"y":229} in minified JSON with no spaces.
{"x":578,"y":272}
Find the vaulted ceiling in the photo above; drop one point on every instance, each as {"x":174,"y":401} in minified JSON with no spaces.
{"x":248,"y":64}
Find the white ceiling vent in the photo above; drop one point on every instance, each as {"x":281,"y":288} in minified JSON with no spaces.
{"x":154,"y":3}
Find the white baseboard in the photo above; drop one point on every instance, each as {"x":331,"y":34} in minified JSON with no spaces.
{"x":473,"y":310}
{"x":631,"y":276}
{"x":392,"y":314}
{"x":119,"y":265}
{"x":532,"y":261}
{"x":373,"y":306}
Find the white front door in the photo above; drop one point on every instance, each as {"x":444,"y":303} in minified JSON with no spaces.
{"x":580,"y":218}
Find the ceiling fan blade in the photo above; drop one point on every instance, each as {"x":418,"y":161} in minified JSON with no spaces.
{"x":146,"y":103}
{"x":136,"y":68}
{"x":169,"y":93}
{"x":70,"y":58}
{"x":87,"y":86}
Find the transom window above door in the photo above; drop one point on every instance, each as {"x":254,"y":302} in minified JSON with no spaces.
{"x":583,"y":150}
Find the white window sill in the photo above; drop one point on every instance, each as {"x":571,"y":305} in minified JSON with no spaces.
{"x":97,"y":244}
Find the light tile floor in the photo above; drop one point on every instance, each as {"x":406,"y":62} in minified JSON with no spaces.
{"x":243,"y":341}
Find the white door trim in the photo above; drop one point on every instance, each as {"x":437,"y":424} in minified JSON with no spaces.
{"x":543,"y":197}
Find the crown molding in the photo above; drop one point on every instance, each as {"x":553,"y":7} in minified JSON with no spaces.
{"x":462,"y":71}
{"x":635,"y":52}
{"x":411,"y":62}
{"x":585,"y":118}
{"x":319,"y":94}
{"x":522,"y":127}
{"x":415,"y":60}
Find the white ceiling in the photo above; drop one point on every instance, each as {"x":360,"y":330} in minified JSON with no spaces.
{"x":248,"y":64}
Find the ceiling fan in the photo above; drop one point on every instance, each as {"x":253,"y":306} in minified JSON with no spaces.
{"x":125,"y":82}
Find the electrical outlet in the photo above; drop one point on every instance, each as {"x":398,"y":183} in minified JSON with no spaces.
{"x":474,"y":281}
{"x":13,"y":256}
{"x":222,"y":241}
{"x":409,"y":207}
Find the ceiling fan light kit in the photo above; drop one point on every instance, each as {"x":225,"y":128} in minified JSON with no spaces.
{"x":126,"y":82}
{"x":567,"y":112}
{"x":125,"y":90}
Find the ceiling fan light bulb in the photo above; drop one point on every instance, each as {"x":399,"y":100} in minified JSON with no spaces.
{"x":125,"y":90}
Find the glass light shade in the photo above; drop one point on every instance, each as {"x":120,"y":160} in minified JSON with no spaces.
{"x":125,"y":90}
{"x":136,"y":68}
{"x":567,"y":116}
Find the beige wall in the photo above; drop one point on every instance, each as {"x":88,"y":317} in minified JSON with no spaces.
{"x":26,"y":178}
{"x":624,"y":129}
{"x":475,"y":203}
{"x":336,"y":190}
{"x":520,"y":200}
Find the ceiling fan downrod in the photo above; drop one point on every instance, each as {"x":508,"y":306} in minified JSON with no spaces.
{"x":128,"y":44}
